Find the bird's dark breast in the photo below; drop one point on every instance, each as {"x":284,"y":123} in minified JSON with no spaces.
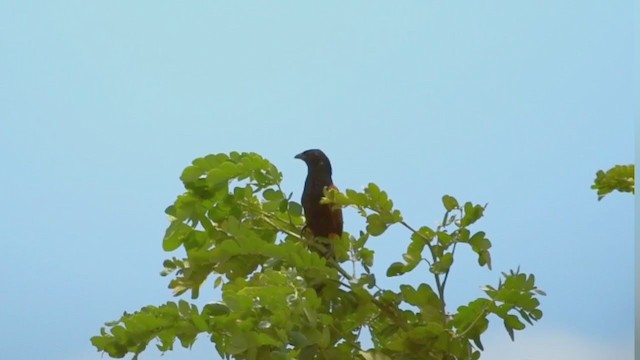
{"x":322,"y":219}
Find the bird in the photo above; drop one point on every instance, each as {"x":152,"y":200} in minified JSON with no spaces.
{"x":323,"y":220}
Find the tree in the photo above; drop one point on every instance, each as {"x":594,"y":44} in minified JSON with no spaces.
{"x":619,"y":177}
{"x":282,"y":301}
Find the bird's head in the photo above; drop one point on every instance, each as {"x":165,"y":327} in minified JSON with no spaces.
{"x":316,"y":160}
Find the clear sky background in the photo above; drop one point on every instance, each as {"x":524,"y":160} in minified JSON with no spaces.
{"x":514,"y":103}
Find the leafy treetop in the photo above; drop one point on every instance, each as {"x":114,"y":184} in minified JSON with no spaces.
{"x":236,"y":224}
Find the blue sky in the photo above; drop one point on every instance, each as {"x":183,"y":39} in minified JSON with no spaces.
{"x":517,"y":104}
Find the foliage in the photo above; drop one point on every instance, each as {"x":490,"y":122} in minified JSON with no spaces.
{"x":619,"y":177}
{"x":282,"y":301}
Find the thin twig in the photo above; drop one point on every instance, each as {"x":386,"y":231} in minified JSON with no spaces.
{"x":453,"y":251}
{"x":446,"y":275}
{"x":266,"y":219}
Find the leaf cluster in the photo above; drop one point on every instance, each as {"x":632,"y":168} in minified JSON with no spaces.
{"x":619,"y":177}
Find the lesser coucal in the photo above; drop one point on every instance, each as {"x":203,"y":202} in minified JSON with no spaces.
{"x":322,"y":219}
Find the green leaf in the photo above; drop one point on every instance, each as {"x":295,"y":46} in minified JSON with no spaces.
{"x":273,"y":195}
{"x":540,"y":292}
{"x":444,"y":239}
{"x":238,"y":344}
{"x":420,"y":297}
{"x":184,"y":308}
{"x":199,"y":323}
{"x":425,"y":234}
{"x":395,"y":269}
{"x":368,"y":280}
{"x":470,"y":314}
{"x":481,"y":246}
{"x":223,"y":173}
{"x":484,"y":259}
{"x":361,"y":241}
{"x":414,"y":252}
{"x":283,"y":205}
{"x":210,"y":161}
{"x":390,"y":296}
{"x":356,"y":198}
{"x":298,"y":339}
{"x":189,"y":207}
{"x":396,"y":216}
{"x":373,"y":190}
{"x":169,"y":264}
{"x":295,"y":209}
{"x":191,"y":173}
{"x":216,"y":309}
{"x":435,"y":328}
{"x":477,"y":241}
{"x":525,"y":316}
{"x":536,"y":314}
{"x":375,"y":225}
{"x":443,"y":264}
{"x":462,"y":235}
{"x":367,"y":256}
{"x":175,"y":235}
{"x":449,"y":202}
{"x":511,"y":322}
{"x":471,"y":214}
{"x":514,"y":322}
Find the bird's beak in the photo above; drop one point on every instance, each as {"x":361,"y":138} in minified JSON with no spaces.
{"x":299,"y":156}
